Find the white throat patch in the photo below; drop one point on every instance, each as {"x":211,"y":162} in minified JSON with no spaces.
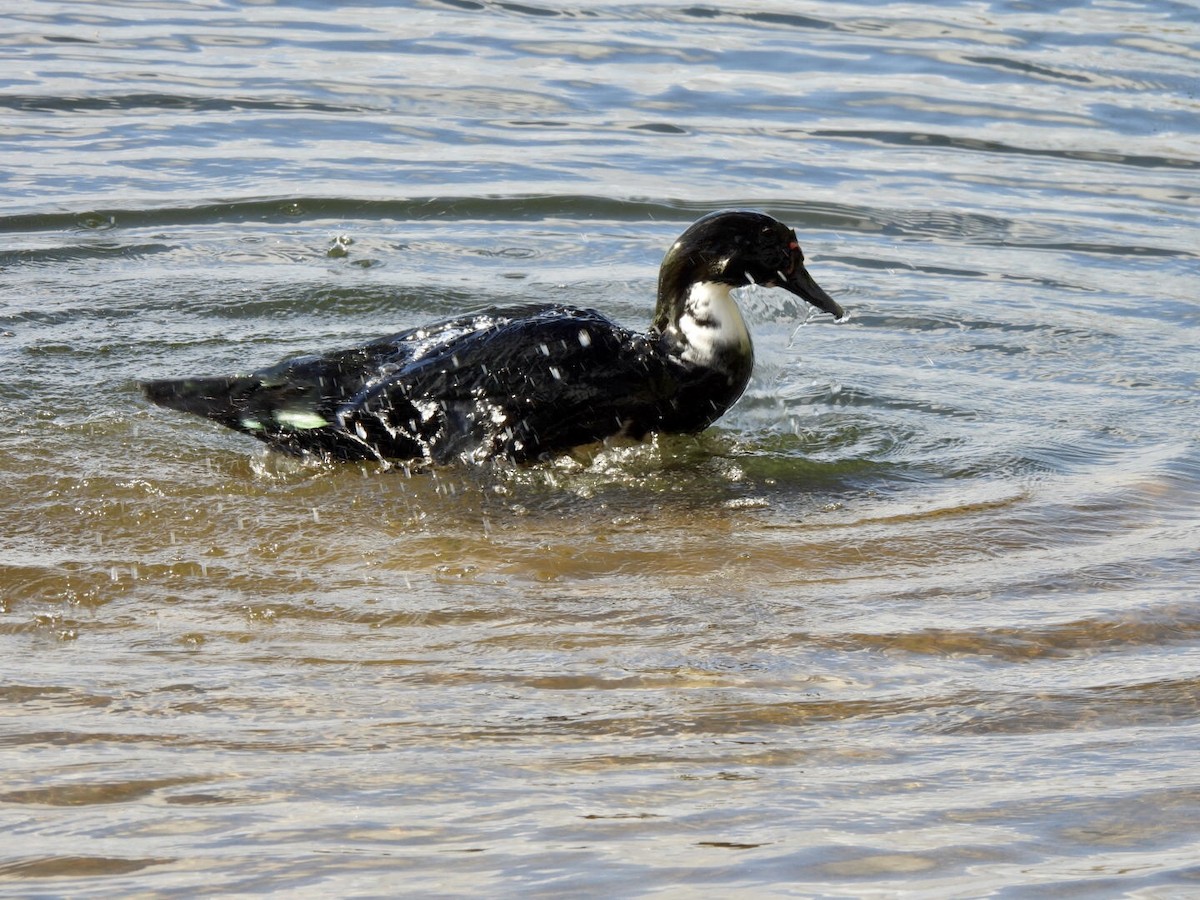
{"x":711,"y":322}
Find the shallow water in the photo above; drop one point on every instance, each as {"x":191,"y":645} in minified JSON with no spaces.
{"x":920,"y":614}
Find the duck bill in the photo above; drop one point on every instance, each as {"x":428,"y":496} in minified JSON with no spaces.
{"x":802,"y":285}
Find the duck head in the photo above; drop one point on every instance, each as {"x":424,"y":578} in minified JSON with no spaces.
{"x":719,"y":252}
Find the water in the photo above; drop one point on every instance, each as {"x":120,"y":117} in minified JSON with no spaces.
{"x":920,"y":614}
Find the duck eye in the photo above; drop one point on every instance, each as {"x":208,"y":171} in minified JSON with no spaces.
{"x":794,"y":258}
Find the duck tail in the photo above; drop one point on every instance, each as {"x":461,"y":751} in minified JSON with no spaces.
{"x":223,"y":400}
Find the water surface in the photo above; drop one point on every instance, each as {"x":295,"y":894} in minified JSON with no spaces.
{"x":919,"y":614}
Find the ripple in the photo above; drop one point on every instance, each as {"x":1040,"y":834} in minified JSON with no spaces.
{"x":92,"y":793}
{"x":149,"y":102}
{"x":66,"y":867}
{"x":926,"y":139}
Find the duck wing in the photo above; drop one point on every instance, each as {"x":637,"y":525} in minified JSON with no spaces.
{"x":520,"y":389}
{"x":519,"y":382}
{"x":294,"y":405}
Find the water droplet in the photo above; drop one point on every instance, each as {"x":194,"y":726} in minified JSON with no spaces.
{"x":95,"y":221}
{"x":340,"y":246}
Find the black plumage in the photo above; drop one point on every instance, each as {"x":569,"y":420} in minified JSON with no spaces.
{"x":524,"y":382}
